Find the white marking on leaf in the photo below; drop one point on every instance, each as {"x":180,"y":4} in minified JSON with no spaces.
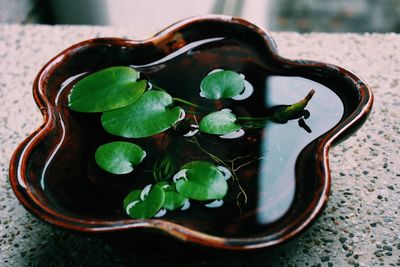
{"x":225,"y":172}
{"x":165,"y":186}
{"x":214,"y":71}
{"x":160,"y":213}
{"x":191,"y":133}
{"x":215,"y":204}
{"x":233,"y":135}
{"x":247,"y":92}
{"x":144,"y":155}
{"x":145,"y":191}
{"x":186,"y":205}
{"x":150,"y":86}
{"x":179,"y":175}
{"x":182,"y":115}
{"x":131,"y":205}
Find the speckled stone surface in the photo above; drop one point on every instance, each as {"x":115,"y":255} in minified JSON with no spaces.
{"x":360,"y":226}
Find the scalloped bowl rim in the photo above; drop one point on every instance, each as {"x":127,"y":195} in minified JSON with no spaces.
{"x":18,"y":163}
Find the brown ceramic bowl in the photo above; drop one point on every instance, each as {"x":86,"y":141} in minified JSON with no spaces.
{"x":52,"y":173}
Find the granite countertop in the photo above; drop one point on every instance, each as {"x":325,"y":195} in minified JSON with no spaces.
{"x":360,"y":225}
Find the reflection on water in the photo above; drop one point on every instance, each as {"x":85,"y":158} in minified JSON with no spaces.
{"x":281,"y":145}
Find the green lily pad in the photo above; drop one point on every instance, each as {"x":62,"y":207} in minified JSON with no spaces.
{"x":222,"y":84}
{"x":201,"y":182}
{"x":119,"y":157}
{"x":219,"y":122}
{"x":148,"y":116}
{"x":107,"y":89}
{"x":173,"y":200}
{"x":143,"y":208}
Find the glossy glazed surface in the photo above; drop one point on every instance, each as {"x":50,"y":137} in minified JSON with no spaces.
{"x":49,"y":158}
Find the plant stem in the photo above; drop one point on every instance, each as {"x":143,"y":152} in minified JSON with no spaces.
{"x":177,"y":99}
{"x":284,"y":114}
{"x":157,"y":87}
{"x":293,"y":111}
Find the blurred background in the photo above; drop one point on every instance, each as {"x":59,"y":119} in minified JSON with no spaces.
{"x":274,"y":15}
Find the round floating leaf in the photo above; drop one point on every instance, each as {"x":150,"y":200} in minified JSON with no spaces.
{"x":222,"y":84}
{"x":202,"y":182}
{"x":220,"y":122}
{"x":148,"y":116}
{"x":119,"y":157}
{"x":145,"y":208}
{"x":173,"y":200}
{"x":107,"y":89}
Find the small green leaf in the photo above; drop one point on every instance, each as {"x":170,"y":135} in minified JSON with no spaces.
{"x":201,"y":182}
{"x":148,"y":116}
{"x":173,"y":200}
{"x":143,"y":208}
{"x":219,"y":122}
{"x":222,"y":84}
{"x":119,"y":157}
{"x":107,"y":89}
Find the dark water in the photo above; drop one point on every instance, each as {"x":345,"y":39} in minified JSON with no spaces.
{"x":264,"y":158}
